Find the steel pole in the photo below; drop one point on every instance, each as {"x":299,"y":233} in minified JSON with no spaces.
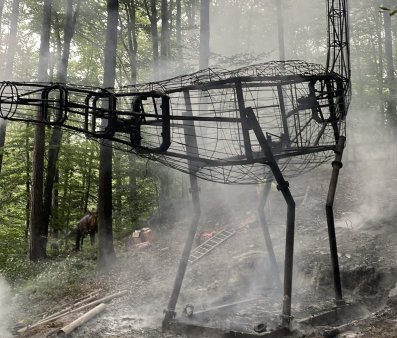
{"x":283,"y":186}
{"x":336,"y":166}
{"x":170,"y":312}
{"x":191,"y":149}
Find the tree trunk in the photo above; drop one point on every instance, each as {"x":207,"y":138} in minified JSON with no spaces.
{"x":178,"y":29}
{"x":38,"y":230}
{"x":106,"y":254}
{"x":132,"y":46}
{"x":204,"y":34}
{"x":9,"y":66}
{"x":55,"y":207}
{"x":391,"y":99}
{"x":379,"y":72}
{"x":118,"y":186}
{"x":280,"y":29}
{"x":56,"y":137}
{"x":87,"y":188}
{"x":12,"y":40}
{"x":3,"y":132}
{"x":1,"y":14}
{"x":165,"y":202}
{"x":191,"y":13}
{"x":27,"y":183}
{"x":155,"y":38}
{"x":165,"y":38}
{"x":132,"y":186}
{"x":66,"y":200}
{"x":53,"y":153}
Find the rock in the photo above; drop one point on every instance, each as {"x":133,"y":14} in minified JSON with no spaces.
{"x":392,"y":299}
{"x":349,"y":334}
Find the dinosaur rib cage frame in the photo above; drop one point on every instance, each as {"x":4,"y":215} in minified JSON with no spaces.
{"x":198,"y":123}
{"x":300,"y":106}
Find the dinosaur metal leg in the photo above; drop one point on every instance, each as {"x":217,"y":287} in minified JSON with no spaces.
{"x":170,"y":312}
{"x":283,"y":186}
{"x":192,"y":149}
{"x":336,"y":166}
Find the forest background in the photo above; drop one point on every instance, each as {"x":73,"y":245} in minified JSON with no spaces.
{"x":70,"y":41}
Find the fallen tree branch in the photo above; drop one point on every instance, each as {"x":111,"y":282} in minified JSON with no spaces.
{"x":78,"y":303}
{"x":83,"y":298}
{"x":81,"y":320}
{"x":83,"y":307}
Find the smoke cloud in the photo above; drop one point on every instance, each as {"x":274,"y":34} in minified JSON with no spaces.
{"x":5,"y":309}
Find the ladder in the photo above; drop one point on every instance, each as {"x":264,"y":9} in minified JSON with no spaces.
{"x":209,"y":245}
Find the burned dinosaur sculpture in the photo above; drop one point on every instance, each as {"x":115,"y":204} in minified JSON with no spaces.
{"x":267,"y":121}
{"x":204,"y":122}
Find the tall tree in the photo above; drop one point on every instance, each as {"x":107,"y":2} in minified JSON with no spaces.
{"x":178,"y":29}
{"x":2,"y":2}
{"x":38,"y":230}
{"x":191,"y":12}
{"x":151,"y":12}
{"x":280,"y":25}
{"x":56,"y":136}
{"x":204,"y":34}
{"x":27,"y":183}
{"x":165,"y":38}
{"x":106,"y":254}
{"x":131,"y":46}
{"x":379,"y":71}
{"x":9,"y":65}
{"x":391,"y":98}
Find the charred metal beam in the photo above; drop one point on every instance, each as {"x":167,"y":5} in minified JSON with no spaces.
{"x":286,"y":137}
{"x":244,"y":122}
{"x":191,"y":149}
{"x":336,"y":166}
{"x":283,"y":186}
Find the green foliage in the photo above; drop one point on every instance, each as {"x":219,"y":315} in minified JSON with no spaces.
{"x":58,"y":278}
{"x":42,"y":285}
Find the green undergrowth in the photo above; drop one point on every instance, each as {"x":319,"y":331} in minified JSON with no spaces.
{"x":52,"y":283}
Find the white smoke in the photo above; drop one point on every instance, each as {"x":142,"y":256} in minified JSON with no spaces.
{"x":5,"y":309}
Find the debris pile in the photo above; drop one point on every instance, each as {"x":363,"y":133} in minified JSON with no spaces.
{"x":141,"y":238}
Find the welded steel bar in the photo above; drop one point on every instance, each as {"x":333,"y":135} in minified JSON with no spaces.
{"x":241,"y":107}
{"x":283,"y":115}
{"x":336,"y":166}
{"x":265,"y":80}
{"x":191,"y":149}
{"x":263,"y":222}
{"x":283,"y":186}
{"x":170,"y":312}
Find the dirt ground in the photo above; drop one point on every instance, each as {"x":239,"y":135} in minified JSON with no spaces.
{"x":239,"y":268}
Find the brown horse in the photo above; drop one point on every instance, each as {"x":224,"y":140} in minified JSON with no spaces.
{"x":88,"y":225}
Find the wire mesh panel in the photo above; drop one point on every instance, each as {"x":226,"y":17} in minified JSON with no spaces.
{"x":299,"y":106}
